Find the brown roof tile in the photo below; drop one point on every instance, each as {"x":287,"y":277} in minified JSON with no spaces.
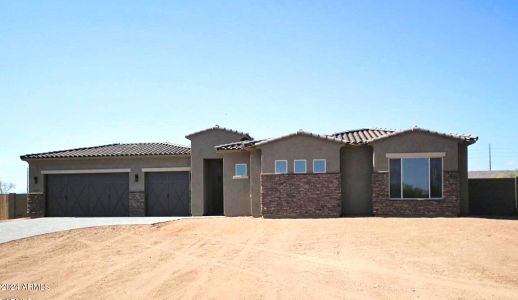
{"x":217,"y":127}
{"x":463,"y":137}
{"x":236,"y":146}
{"x":361,"y":136}
{"x":366,"y":135}
{"x":111,"y":150}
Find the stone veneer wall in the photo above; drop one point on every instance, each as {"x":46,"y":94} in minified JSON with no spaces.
{"x":449,"y":206}
{"x":137,"y":204}
{"x":36,"y":205}
{"x":301,"y":195}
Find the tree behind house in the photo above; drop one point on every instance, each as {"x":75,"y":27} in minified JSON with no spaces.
{"x":6,"y":187}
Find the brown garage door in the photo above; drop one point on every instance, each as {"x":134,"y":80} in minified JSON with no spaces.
{"x":87,"y":195}
{"x":168,"y":194}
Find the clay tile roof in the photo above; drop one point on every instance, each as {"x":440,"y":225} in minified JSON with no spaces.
{"x":217,"y":127}
{"x":236,"y":146}
{"x":462,"y":137}
{"x":361,"y":136}
{"x":366,"y":135}
{"x":111,"y":150}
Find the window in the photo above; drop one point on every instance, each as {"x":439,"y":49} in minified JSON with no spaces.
{"x":241,"y":171}
{"x":299,"y":166}
{"x":415,"y":178}
{"x":281,"y":166}
{"x":319,"y":166}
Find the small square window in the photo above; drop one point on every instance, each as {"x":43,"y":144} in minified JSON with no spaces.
{"x":241,"y":170}
{"x":281,"y":166}
{"x":299,"y":166}
{"x":319,"y":166}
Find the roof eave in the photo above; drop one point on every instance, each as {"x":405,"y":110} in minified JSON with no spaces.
{"x":24,"y":158}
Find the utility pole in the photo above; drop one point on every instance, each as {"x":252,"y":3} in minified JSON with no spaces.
{"x":489,"y":157}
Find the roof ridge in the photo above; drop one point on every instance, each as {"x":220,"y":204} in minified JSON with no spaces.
{"x":217,"y":127}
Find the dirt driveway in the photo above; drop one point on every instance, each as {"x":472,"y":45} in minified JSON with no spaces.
{"x":256,"y":258}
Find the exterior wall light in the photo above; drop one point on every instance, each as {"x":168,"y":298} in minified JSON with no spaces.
{"x":35,"y":179}
{"x":136,"y":177}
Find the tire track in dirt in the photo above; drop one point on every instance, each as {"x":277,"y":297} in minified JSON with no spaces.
{"x":143,"y":267}
{"x":361,"y":268}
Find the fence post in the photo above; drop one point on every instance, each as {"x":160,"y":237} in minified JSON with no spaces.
{"x":11,"y":200}
{"x":516,"y":194}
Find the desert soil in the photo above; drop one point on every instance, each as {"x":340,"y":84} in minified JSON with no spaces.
{"x":388,"y":258}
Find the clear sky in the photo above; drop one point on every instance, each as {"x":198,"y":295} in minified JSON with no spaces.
{"x":85,"y":73}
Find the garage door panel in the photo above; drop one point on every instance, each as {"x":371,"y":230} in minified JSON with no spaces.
{"x":76,"y":199}
{"x":168,"y":194}
{"x":88,"y":195}
{"x":58,"y":205}
{"x":118,"y":199}
{"x":180,"y":191}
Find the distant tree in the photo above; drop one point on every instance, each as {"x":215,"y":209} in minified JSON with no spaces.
{"x":6,"y":187}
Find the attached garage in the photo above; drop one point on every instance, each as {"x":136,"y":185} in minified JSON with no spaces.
{"x":168,"y":194}
{"x":87,"y":195}
{"x":135,"y":179}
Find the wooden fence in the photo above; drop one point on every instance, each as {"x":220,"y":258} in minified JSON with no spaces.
{"x":13,"y":206}
{"x":4,"y":207}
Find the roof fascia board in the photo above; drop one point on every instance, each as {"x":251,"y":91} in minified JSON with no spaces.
{"x":105,"y":157}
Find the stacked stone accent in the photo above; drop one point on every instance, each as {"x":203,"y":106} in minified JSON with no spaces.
{"x":448,"y":206}
{"x":301,"y":195}
{"x":137,"y":204}
{"x":36,"y":205}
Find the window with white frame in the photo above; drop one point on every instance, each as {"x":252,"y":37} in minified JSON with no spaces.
{"x":241,"y":171}
{"x":319,"y":166}
{"x":300,"y":166}
{"x":281,"y":166}
{"x":416,"y":178}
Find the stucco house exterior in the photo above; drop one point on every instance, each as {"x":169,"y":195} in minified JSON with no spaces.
{"x":381,"y":172}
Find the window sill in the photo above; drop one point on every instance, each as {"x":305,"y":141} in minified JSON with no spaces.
{"x":416,"y":199}
{"x":240,"y":177}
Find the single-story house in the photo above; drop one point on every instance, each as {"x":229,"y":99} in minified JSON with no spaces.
{"x":381,"y":172}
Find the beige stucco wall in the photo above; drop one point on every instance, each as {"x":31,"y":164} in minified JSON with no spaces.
{"x":202,"y":147}
{"x":255,"y":182}
{"x":135,"y":164}
{"x":300,"y":147}
{"x":415,"y":142}
{"x":463,"y":178}
{"x":356,"y":166}
{"x":236,"y":192}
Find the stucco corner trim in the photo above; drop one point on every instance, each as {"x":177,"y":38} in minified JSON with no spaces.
{"x":86,"y":171}
{"x":172,"y":169}
{"x":416,"y":155}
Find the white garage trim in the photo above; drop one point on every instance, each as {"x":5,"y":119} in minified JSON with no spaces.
{"x":91,"y":171}
{"x":172,"y":169}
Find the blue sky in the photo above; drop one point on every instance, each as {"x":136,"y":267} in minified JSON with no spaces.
{"x":86,"y":73}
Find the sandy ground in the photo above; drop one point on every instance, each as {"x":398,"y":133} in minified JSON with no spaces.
{"x":459,"y":258}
